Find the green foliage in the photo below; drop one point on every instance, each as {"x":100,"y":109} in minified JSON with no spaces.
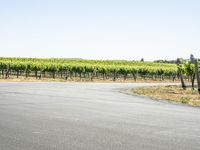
{"x":90,"y":66}
{"x":188,"y":68}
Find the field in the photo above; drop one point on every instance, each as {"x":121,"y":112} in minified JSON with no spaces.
{"x":73,"y":69}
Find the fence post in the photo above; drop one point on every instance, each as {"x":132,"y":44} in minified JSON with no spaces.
{"x":192,"y":61}
{"x":180,"y":74}
{"x":197,"y":74}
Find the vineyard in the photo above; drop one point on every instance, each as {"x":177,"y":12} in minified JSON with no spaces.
{"x":70,"y":69}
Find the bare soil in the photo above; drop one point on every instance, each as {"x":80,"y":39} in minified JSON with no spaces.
{"x":119,"y":80}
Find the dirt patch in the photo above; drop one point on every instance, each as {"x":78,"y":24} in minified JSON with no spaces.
{"x":171,"y":93}
{"x":33,"y":79}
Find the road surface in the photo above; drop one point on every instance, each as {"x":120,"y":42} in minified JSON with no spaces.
{"x":92,"y":116}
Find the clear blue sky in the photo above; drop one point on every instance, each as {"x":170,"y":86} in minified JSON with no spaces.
{"x":100,"y":29}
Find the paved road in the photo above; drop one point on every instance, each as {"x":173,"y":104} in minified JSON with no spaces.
{"x":77,"y":116}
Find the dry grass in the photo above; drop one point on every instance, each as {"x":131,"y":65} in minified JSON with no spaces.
{"x":171,"y":93}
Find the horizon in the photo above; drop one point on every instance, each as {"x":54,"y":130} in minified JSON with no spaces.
{"x":70,"y":58}
{"x":106,"y":30}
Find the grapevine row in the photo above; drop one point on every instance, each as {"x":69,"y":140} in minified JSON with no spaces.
{"x":70,"y":68}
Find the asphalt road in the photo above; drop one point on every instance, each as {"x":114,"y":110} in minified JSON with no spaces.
{"x":92,"y":116}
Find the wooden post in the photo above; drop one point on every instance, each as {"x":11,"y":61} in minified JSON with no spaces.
{"x":197,"y":74}
{"x":7,"y":72}
{"x":17,"y":73}
{"x":181,"y":77}
{"x":192,"y":61}
{"x":180,"y":74}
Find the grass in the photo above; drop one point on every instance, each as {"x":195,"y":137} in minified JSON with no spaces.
{"x":171,"y":93}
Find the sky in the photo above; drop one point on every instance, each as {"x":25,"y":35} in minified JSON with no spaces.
{"x":100,"y":29}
